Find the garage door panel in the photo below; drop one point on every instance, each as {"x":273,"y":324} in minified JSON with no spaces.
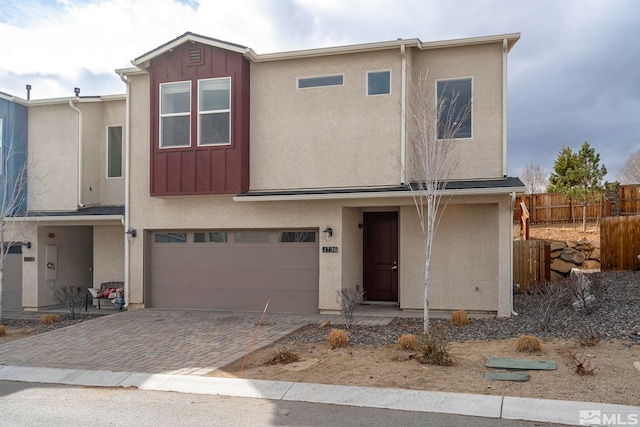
{"x":237,"y":299}
{"x":235,"y":276}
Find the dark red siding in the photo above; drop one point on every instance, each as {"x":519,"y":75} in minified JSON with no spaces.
{"x":201,"y":170}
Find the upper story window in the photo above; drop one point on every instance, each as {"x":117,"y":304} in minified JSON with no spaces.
{"x":214,"y":111}
{"x":308,"y":82}
{"x":378,"y":83}
{"x":175,"y":114}
{"x":454,"y":98}
{"x":114,"y":152}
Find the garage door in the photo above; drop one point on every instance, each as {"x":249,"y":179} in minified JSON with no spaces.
{"x":235,"y":270}
{"x":12,"y":285}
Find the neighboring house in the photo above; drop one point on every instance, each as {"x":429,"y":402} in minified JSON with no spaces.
{"x":277,"y":177}
{"x":75,"y":208}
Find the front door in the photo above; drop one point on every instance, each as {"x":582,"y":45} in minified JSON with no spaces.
{"x":380,"y":256}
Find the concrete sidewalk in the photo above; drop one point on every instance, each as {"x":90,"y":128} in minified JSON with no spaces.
{"x":170,"y":350}
{"x":510,"y":408}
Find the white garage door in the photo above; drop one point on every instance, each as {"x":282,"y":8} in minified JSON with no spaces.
{"x":235,"y":270}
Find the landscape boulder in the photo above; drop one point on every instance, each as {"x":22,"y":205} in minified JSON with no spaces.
{"x":572,"y":255}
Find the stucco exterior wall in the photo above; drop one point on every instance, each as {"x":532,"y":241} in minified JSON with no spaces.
{"x":53,"y":148}
{"x":334,"y":136}
{"x":480,"y":156}
{"x":53,"y":155}
{"x":108,"y":252}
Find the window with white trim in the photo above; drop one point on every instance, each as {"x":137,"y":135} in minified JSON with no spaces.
{"x":175,"y":114}
{"x":378,"y":82}
{"x":454,"y":96}
{"x":214,"y":111}
{"x":114,"y":152}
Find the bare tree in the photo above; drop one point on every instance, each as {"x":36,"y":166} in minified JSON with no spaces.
{"x":630,"y":172}
{"x":13,"y":202}
{"x":535,"y":178}
{"x":433,"y":129}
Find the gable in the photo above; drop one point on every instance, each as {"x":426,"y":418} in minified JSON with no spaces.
{"x":199,"y":163}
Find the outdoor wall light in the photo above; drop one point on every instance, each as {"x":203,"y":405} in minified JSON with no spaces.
{"x":132,"y":232}
{"x":27,"y":244}
{"x":329,"y":231}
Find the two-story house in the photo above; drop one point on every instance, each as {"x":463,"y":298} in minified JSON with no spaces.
{"x":245,"y":177}
{"x":283,"y":177}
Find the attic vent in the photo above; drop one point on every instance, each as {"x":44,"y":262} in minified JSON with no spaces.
{"x":194,"y":55}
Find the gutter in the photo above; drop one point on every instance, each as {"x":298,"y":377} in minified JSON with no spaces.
{"x":127,"y":222}
{"x":79,"y":191}
{"x":61,"y":218}
{"x":373,"y":195}
{"x":512,"y":203}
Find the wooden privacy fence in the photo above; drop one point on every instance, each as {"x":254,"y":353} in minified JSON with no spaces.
{"x":556,"y":207}
{"x":619,"y":243}
{"x":531,"y":263}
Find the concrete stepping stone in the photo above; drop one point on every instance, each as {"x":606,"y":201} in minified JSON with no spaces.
{"x":506,"y":376}
{"x":520,"y":364}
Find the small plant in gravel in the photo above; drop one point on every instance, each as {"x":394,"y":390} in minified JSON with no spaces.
{"x":49,"y":319}
{"x":459,"y":318}
{"x":547,"y":301}
{"x":2,"y":331}
{"x":580,"y":363}
{"x":433,"y":348}
{"x":73,"y":298}
{"x":337,"y":338}
{"x":407,"y":342}
{"x":528,"y":344}
{"x":349,"y":299}
{"x":283,"y":356}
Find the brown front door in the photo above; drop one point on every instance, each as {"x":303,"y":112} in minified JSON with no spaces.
{"x":380,"y":256}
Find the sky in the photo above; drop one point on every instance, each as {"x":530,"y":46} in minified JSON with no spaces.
{"x":574,"y":76}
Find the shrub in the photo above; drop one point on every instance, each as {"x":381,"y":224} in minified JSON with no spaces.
{"x":407,"y":342}
{"x":433,"y":348}
{"x":547,"y":301}
{"x":283,"y":356}
{"x":337,"y":338}
{"x":49,"y":319}
{"x":2,"y":331}
{"x":580,"y":364}
{"x":528,"y":344}
{"x":460,"y":318}
{"x":349,"y":299}
{"x":588,"y":339}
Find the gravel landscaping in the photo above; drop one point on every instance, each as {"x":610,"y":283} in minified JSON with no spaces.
{"x":616,"y":316}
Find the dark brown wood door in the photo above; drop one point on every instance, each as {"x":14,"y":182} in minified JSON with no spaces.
{"x":380,"y":256}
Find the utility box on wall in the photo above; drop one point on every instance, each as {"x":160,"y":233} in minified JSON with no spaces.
{"x":51,"y":258}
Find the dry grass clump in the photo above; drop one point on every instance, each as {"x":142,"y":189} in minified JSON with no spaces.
{"x":433,"y":348}
{"x":460,"y":318}
{"x":528,"y":344}
{"x":49,"y":319}
{"x":407,"y":342}
{"x":337,"y":338}
{"x":2,"y":331}
{"x":283,"y":356}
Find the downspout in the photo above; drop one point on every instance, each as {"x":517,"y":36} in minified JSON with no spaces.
{"x":512,"y":203}
{"x":79,"y":191}
{"x":504,"y":106}
{"x":127,"y":236}
{"x":403,"y":118}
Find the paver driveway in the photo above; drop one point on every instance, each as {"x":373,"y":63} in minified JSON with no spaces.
{"x":158,"y":341}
